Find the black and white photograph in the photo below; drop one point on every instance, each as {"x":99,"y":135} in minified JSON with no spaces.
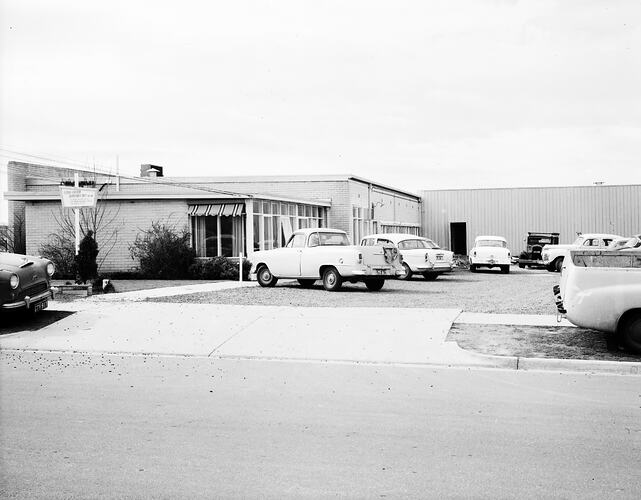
{"x":295,"y":249}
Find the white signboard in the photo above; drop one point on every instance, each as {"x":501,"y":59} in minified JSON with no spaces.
{"x":76,"y":197}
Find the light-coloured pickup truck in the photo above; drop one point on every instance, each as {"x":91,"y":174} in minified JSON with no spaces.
{"x":326,"y":254}
{"x":601,"y":289}
{"x":552,"y":255}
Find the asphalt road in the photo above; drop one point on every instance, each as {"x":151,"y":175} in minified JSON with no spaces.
{"x":89,"y":426}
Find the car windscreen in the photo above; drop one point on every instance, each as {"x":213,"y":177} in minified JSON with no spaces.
{"x":333,"y":239}
{"x":491,"y":243}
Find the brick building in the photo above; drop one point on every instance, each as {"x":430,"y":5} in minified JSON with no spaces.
{"x":225,"y":215}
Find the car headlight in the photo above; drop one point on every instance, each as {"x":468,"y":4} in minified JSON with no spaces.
{"x":545,"y":256}
{"x":51,"y":269}
{"x":14,"y":281}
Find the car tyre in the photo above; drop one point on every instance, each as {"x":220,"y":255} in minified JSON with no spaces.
{"x":630,"y":332}
{"x":473,"y":268}
{"x":522,"y":266}
{"x":306,"y":283}
{"x":332,"y":280}
{"x":407,"y":273}
{"x":505,"y":269}
{"x":430,"y":276}
{"x":558,"y":264}
{"x":374,"y":285}
{"x":265,"y":277}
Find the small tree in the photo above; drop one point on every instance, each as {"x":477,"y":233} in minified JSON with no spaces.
{"x":163,"y":252}
{"x":86,"y":258}
{"x":62,"y":252}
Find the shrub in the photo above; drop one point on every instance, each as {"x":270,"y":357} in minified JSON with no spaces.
{"x":163,"y":252}
{"x":86,"y":258}
{"x":218,"y":268}
{"x":62,"y":252}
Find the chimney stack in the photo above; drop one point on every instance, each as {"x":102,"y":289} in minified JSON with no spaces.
{"x":148,"y":170}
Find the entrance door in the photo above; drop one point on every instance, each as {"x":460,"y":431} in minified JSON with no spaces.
{"x":458,"y":235}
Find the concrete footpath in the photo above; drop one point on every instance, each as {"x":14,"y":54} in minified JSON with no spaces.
{"x":116,"y":324}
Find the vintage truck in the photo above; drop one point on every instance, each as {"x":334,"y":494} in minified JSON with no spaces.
{"x":601,"y":289}
{"x":531,"y":256}
{"x":552,"y":255}
{"x":326,"y":254}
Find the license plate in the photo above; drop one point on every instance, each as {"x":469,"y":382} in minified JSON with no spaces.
{"x":439,"y":256}
{"x":40,"y":306}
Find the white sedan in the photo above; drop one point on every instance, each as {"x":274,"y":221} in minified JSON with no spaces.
{"x":420,"y":255}
{"x":490,"y":251}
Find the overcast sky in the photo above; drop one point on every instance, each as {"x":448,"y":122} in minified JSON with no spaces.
{"x":417,"y":94}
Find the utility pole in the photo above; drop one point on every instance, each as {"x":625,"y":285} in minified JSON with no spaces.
{"x":76,"y":213}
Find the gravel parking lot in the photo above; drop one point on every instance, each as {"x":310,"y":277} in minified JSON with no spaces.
{"x":523,"y":291}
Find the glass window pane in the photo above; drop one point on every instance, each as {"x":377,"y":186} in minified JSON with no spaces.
{"x":258,"y":208}
{"x":301,"y":210}
{"x":277,"y":232}
{"x":257,"y":232}
{"x":211,"y":237}
{"x":275,"y":208}
{"x":227,"y":236}
{"x":308,"y":211}
{"x":267,"y":233}
{"x":266,"y":207}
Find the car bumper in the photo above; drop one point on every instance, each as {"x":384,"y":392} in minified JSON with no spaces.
{"x":373,"y":271}
{"x":29,"y":302}
{"x":436,"y":268}
{"x":558,"y":299}
{"x":490,"y":262}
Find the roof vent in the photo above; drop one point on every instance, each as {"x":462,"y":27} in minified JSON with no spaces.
{"x":148,"y":170}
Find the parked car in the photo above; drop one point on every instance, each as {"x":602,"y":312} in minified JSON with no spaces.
{"x":532,"y":255}
{"x":601,"y":289}
{"x":419,"y":255}
{"x":553,"y":254}
{"x":490,"y":252}
{"x":321,"y":253}
{"x":623,"y":243}
{"x":25,"y":282}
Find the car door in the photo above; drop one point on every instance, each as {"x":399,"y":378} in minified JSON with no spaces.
{"x":313,"y":257}
{"x":286,"y":264}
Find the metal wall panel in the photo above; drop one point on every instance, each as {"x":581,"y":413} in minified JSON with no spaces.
{"x":511,"y":213}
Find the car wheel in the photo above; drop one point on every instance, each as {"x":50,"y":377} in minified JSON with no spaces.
{"x":374,"y":285}
{"x":265,"y":277}
{"x":332,"y":280}
{"x":558,"y":264}
{"x":407,"y":272}
{"x":306,"y":283}
{"x":505,"y":269}
{"x":430,"y":276}
{"x":522,"y":266}
{"x":473,"y":268}
{"x":630,"y":331}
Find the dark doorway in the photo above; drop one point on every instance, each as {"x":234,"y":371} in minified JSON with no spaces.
{"x":458,"y":235}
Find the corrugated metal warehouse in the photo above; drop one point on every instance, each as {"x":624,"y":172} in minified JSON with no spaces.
{"x":454,"y":218}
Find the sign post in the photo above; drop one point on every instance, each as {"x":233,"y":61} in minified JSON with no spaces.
{"x":77,"y":198}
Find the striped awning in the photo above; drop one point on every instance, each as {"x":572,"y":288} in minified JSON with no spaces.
{"x":232,"y":209}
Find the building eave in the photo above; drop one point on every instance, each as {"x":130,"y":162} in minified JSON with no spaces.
{"x":50,"y":196}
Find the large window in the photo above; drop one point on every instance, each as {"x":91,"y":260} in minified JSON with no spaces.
{"x":274,"y":222}
{"x":220,"y":235}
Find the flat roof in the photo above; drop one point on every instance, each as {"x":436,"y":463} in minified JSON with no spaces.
{"x":286,"y":178}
